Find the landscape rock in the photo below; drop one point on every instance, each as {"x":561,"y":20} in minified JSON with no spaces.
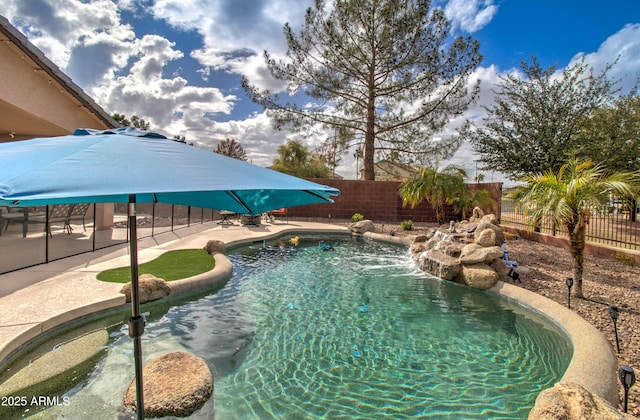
{"x":479,"y":276}
{"x":439,"y":264}
{"x":486,"y":238}
{"x":488,"y":225}
{"x":467,"y":252}
{"x":215,"y":247}
{"x":424,"y":237}
{"x":150,"y":288}
{"x":500,"y":266}
{"x":452,"y":249}
{"x":476,"y":215}
{"x":475,"y":254}
{"x":418,"y":247}
{"x":466,"y":226}
{"x":571,"y":401}
{"x":490,"y":218}
{"x":361,"y":227}
{"x":175,"y":384}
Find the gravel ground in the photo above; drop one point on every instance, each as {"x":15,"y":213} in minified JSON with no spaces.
{"x":605,"y":282}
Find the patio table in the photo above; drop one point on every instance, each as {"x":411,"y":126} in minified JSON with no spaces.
{"x":224,"y":217}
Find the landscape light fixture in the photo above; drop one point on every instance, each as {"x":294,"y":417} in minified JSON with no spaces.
{"x":627,"y":378}
{"x":614,"y":313}
{"x":569,"y":282}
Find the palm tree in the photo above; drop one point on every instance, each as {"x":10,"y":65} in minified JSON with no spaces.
{"x":434,"y":186}
{"x":569,"y":197}
{"x":465,"y":201}
{"x":358,"y":155}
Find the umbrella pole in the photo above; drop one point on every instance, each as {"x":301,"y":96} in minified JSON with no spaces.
{"x":136,"y":322}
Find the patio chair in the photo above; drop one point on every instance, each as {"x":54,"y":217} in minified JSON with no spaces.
{"x":78,"y":211}
{"x":9,"y":215}
{"x":250,"y":220}
{"x":279,"y":213}
{"x":57,"y":213}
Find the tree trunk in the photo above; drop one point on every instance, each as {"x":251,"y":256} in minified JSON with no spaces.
{"x":370,"y":136}
{"x":578,"y":240}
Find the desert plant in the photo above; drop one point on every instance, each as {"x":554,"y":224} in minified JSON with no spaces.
{"x":357,"y":217}
{"x":625,"y":259}
{"x":406,"y":225}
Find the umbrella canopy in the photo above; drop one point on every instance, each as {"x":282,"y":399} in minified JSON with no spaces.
{"x":128,"y":165}
{"x":107,"y":166}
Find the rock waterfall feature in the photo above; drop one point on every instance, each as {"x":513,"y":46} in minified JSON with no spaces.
{"x":469,"y":252}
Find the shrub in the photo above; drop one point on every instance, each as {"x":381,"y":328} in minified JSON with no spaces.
{"x":406,"y":225}
{"x":357,"y":217}
{"x":625,"y":259}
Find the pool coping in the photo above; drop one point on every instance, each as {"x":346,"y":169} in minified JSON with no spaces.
{"x":593,"y":364}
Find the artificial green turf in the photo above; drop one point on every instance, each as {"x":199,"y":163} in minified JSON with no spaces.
{"x":172,"y":265}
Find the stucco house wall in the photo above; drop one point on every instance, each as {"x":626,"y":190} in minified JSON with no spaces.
{"x":38,"y":100}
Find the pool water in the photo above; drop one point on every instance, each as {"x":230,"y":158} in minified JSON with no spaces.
{"x":353,"y":331}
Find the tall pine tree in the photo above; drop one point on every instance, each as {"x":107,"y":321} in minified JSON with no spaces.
{"x":387,"y":70}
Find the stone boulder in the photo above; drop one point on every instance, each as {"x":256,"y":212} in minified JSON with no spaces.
{"x":476,"y":214}
{"x":150,"y":288}
{"x":467,"y":252}
{"x":479,"y":276}
{"x":482,"y":226}
{"x":418,"y":247}
{"x":425,"y":236}
{"x":501,"y":267}
{"x":439,"y":264}
{"x":475,"y":254}
{"x":175,"y":384}
{"x":452,"y":249}
{"x":486,"y":238}
{"x":466,"y":226}
{"x":361,"y":227}
{"x":215,"y":247}
{"x":571,"y":401}
{"x":490,"y":218}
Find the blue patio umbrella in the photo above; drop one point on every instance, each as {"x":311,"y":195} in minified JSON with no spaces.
{"x":128,"y":165}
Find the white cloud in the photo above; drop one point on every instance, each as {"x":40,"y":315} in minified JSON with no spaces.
{"x":254,"y":133}
{"x":167,"y":103}
{"x":121,"y":72}
{"x":59,"y":27}
{"x":236,"y":33}
{"x":128,"y":74}
{"x":470,"y":15}
{"x":623,"y":46}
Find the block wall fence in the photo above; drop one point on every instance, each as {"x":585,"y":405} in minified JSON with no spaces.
{"x":379,"y":200}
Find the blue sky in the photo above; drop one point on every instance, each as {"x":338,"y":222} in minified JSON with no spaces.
{"x":177,"y":63}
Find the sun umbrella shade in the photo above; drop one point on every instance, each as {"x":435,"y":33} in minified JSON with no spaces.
{"x":128,"y":165}
{"x":107,"y":166}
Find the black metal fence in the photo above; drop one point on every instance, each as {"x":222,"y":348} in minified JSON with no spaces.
{"x":611,"y":225}
{"x":31,"y":236}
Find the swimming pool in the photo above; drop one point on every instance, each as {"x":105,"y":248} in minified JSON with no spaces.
{"x":348,"y":329}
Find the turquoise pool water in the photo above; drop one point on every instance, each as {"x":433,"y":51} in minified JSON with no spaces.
{"x":352,"y":332}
